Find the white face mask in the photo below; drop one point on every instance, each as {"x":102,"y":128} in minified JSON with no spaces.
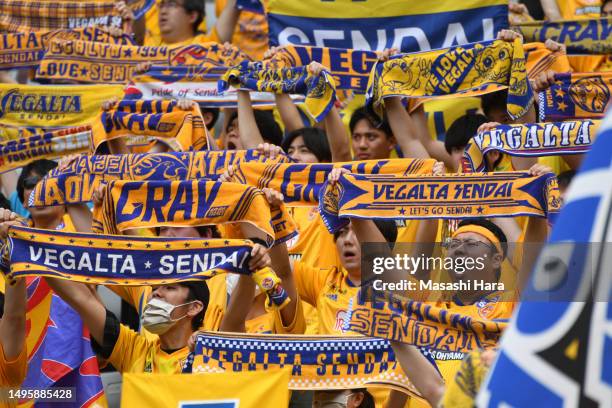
{"x":331,"y":400}
{"x":156,"y":316}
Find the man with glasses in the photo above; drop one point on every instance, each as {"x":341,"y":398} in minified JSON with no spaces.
{"x":178,"y":22}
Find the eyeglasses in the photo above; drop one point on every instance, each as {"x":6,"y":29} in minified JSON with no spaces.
{"x":470,"y":244}
{"x":170,"y":4}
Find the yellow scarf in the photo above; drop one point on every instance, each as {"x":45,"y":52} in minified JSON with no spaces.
{"x":19,"y":152}
{"x":536,"y":139}
{"x":540,"y":59}
{"x":316,"y":363}
{"x":94,"y":62}
{"x":45,"y":15}
{"x":576,"y":96}
{"x":25,"y":50}
{"x":146,"y":204}
{"x":161,"y":120}
{"x":76,"y":183}
{"x":349,"y":68}
{"x":581,"y":36}
{"x":320,"y":90}
{"x":300,"y":183}
{"x":466,"y":70}
{"x":420,"y":324}
{"x":450,"y":196}
{"x":52,"y":106}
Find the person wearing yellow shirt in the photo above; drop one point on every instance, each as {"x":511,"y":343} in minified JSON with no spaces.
{"x":178,"y":23}
{"x":173,"y":312}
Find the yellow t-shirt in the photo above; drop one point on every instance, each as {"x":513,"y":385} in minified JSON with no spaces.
{"x":251,"y":32}
{"x":13,"y":372}
{"x":136,"y":353}
{"x":152,"y":34}
{"x":314,"y":245}
{"x":329,"y":290}
{"x":487,"y":308}
{"x":572,"y":9}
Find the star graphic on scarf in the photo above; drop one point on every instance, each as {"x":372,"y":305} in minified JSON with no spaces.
{"x":148,"y":245}
{"x":559,"y":92}
{"x":402,"y":211}
{"x":147,"y":265}
{"x":71,"y":241}
{"x":90,"y":242}
{"x":480,"y":210}
{"x":187,"y":245}
{"x":32,"y":236}
{"x":83,"y":71}
{"x":110,"y":244}
{"x":127,"y":53}
{"x":51,"y":239}
{"x":206,"y":244}
{"x":562,"y":106}
{"x":167,"y":245}
{"x":226,"y":242}
{"x":129,"y":244}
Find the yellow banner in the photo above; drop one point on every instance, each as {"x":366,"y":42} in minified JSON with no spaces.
{"x":53,"y":106}
{"x":223,"y":390}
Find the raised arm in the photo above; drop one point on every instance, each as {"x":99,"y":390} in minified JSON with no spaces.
{"x":226,"y":23}
{"x":249,"y":132}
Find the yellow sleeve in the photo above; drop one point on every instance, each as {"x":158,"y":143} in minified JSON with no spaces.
{"x":216,"y":304}
{"x":309,"y":281}
{"x":129,"y":348}
{"x":297,"y":326}
{"x":132,"y":294}
{"x":13,"y":372}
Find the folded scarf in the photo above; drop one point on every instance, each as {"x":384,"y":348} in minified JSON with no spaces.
{"x":147,"y":204}
{"x":159,"y":120}
{"x":76,"y":183}
{"x":20,"y":152}
{"x":209,"y":54}
{"x":197,"y":83}
{"x":502,"y":194}
{"x":420,"y":324}
{"x":349,"y":68}
{"x":26,"y":50}
{"x":540,"y":59}
{"x":582,"y":36}
{"x":320,"y":90}
{"x":45,"y":15}
{"x":138,"y":261}
{"x":534,"y":139}
{"x":466,"y":70}
{"x":93,"y":62}
{"x":52,"y":106}
{"x":300,"y":182}
{"x":316,"y":362}
{"x":576,"y":96}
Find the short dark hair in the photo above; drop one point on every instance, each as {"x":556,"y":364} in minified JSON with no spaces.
{"x":315,"y":140}
{"x":266,"y":124}
{"x":368,"y":399}
{"x":494,"y":101}
{"x":483,"y":222}
{"x":564,"y":179}
{"x":37,"y":167}
{"x":198,"y":290}
{"x":388,"y":228}
{"x":198,"y":7}
{"x":215,"y":116}
{"x":462,"y":130}
{"x":362,"y":113}
{"x":4,"y":202}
